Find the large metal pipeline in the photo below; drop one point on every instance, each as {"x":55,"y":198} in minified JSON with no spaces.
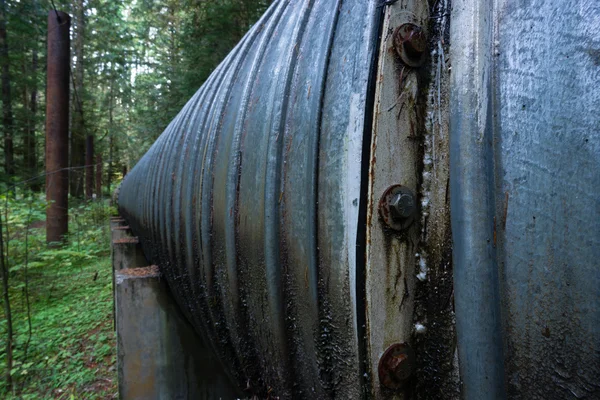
{"x":279,"y":203}
{"x":246,"y":200}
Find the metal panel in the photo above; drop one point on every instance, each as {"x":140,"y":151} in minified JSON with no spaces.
{"x":249,"y":200}
{"x":525,"y":173}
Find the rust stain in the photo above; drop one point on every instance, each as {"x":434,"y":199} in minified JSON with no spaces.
{"x":129,"y":240}
{"x":396,"y":366}
{"x":373,"y":163}
{"x":151,"y":270}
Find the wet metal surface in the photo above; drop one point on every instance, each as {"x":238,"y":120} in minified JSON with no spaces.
{"x":434,"y":336}
{"x":249,"y":200}
{"x":525,"y":179}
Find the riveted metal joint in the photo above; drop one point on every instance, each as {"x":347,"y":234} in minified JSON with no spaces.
{"x":410,"y":43}
{"x":396,"y":366}
{"x":397,"y":207}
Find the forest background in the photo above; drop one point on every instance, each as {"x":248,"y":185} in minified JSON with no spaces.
{"x":134,"y":64}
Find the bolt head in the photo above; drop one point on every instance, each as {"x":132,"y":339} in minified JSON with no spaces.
{"x":416,"y":42}
{"x":410,"y":43}
{"x":402,"y":206}
{"x":397,"y":207}
{"x":396,"y":365}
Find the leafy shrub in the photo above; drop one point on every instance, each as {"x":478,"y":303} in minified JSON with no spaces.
{"x":65,"y":295}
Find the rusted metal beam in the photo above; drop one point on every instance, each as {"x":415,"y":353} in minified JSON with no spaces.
{"x":57,"y":126}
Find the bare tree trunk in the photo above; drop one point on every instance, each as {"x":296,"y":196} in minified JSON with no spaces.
{"x":30,"y":139}
{"x":89,"y":166}
{"x":110,"y":138}
{"x":31,"y":162}
{"x":7,"y":115}
{"x":99,"y":175}
{"x":77,"y":128}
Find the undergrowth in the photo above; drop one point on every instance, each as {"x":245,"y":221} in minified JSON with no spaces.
{"x":61,"y":302}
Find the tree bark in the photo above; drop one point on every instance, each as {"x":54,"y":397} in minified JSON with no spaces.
{"x":31,"y":164}
{"x":99,"y":175}
{"x":89,"y":166}
{"x":7,"y":115}
{"x":78,"y":137}
{"x":110,"y":138}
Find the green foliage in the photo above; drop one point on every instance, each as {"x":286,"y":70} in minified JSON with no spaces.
{"x":71,"y":350}
{"x":143,"y":60}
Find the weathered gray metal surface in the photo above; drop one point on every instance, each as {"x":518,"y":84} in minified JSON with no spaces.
{"x":249,"y":201}
{"x":525,"y":179}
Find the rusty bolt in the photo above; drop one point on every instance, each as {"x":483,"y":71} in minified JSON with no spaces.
{"x":396,"y":365}
{"x":410,"y":43}
{"x":402,"y":206}
{"x":397,"y":207}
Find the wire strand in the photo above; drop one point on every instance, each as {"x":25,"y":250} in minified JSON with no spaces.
{"x":56,"y":12}
{"x":19,"y":183}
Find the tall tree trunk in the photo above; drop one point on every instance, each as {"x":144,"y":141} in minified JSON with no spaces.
{"x":99,"y":175}
{"x":31,"y":164}
{"x":110,"y":137}
{"x":7,"y":115}
{"x":89,"y":166}
{"x":77,"y":127}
